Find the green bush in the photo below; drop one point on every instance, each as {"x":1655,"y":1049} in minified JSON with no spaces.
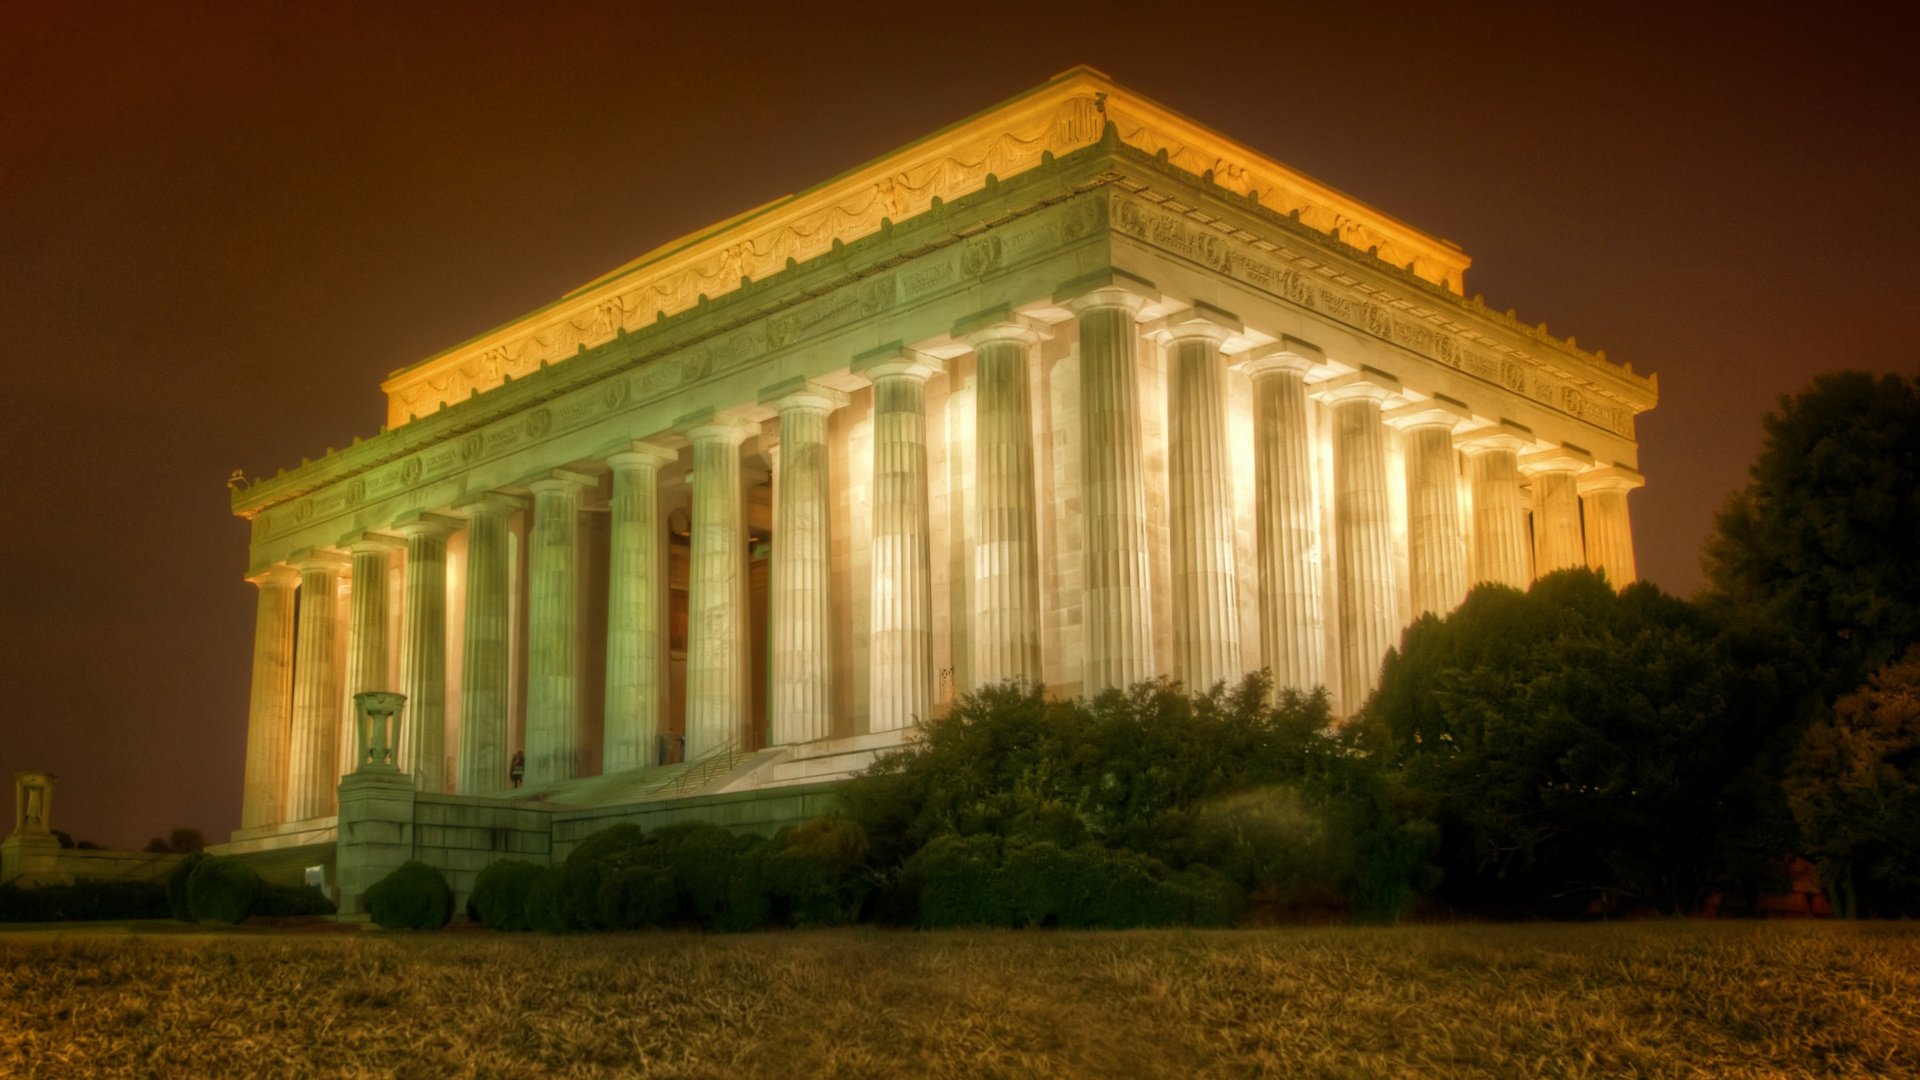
{"x":543,"y":902}
{"x":588,"y":867}
{"x":1209,"y":897}
{"x":413,"y":897}
{"x":84,"y":901}
{"x":286,"y":901}
{"x":809,"y":872}
{"x":222,"y":890}
{"x":499,"y":900}
{"x":177,"y":886}
{"x":637,"y":897}
{"x":959,"y":882}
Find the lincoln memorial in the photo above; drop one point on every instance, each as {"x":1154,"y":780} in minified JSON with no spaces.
{"x":1074,"y":391}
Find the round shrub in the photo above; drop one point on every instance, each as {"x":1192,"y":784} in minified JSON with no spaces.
{"x":1210,"y":897}
{"x":810,"y":870}
{"x":221,"y":890}
{"x":587,"y":868}
{"x":177,"y":886}
{"x":959,"y":882}
{"x":543,"y":902}
{"x":413,"y":897}
{"x":637,"y":897}
{"x":499,"y":900}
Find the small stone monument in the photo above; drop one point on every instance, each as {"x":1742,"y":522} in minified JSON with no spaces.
{"x":31,"y":850}
{"x":379,"y":712}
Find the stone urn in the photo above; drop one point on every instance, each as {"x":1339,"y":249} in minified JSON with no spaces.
{"x":379,"y":712}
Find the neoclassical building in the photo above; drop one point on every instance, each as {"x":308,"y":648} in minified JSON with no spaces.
{"x":1074,"y":391}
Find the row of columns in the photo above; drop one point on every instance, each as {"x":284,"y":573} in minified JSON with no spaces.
{"x":294,"y":758}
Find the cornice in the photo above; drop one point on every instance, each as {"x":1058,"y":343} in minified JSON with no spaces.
{"x":1074,"y":111}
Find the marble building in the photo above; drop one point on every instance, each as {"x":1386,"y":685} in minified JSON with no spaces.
{"x":1074,"y":391}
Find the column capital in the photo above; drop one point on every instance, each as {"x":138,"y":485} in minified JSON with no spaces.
{"x":309,"y":560}
{"x":640,"y":452}
{"x":488,"y":502}
{"x":1001,"y":324}
{"x":896,"y":359}
{"x":560,"y":480}
{"x":710,"y":424}
{"x":1287,"y":354}
{"x":1609,"y":478}
{"x":422,"y":523}
{"x":1562,"y":458}
{"x":277,"y":574}
{"x":1367,"y":384}
{"x":365,"y":543}
{"x":1110,"y":287}
{"x":802,"y":393}
{"x":1504,"y":435}
{"x":1435,"y":412}
{"x":1202,"y":321}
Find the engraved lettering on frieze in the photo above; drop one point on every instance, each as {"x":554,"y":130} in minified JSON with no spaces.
{"x":1338,"y":306}
{"x":539,"y":422}
{"x":1481,"y":365}
{"x":927,"y":278}
{"x":1542,"y":389}
{"x":441,"y":459}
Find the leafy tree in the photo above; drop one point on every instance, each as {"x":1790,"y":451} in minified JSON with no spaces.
{"x":181,"y":840}
{"x":1579,"y":746}
{"x":1824,"y":542}
{"x":1855,"y":789}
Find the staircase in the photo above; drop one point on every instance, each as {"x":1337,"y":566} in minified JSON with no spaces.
{"x":655,"y":782}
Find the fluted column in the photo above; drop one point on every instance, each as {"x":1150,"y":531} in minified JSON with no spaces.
{"x":800,"y":599}
{"x":1609,"y":533}
{"x":900,"y":635}
{"x":1206,"y":609}
{"x":1363,"y":541}
{"x":553,"y":628}
{"x":367,"y":646}
{"x":486,"y":659}
{"x":1436,"y":540}
{"x":1006,"y":549}
{"x":636,"y":608}
{"x":1499,"y":516}
{"x":423,"y":650}
{"x":716,"y":692}
{"x":1557,"y":544}
{"x":1117,"y":604}
{"x":313,"y":765}
{"x":1292,"y":620}
{"x":270,"y":705}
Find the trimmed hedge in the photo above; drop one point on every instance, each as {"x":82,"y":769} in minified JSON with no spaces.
{"x":589,"y":866}
{"x":499,"y":900}
{"x":637,"y":897}
{"x":543,"y":902}
{"x":623,"y":878}
{"x":292,"y":901}
{"x":413,"y":897}
{"x":177,"y":886}
{"x":84,"y":901}
{"x":977,"y":881}
{"x":221,"y":890}
{"x":810,"y":873}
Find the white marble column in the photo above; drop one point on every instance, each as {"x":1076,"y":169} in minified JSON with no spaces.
{"x":1499,"y":515}
{"x":636,"y":608}
{"x":553,"y":628}
{"x":1006,"y":568}
{"x":313,"y":763}
{"x":900,"y":635}
{"x":1117,"y":605}
{"x":1200,"y":516}
{"x":716,"y":692}
{"x":1557,"y":544}
{"x":1363,"y":540}
{"x":486,"y":659}
{"x":423,"y":650}
{"x":1292,"y":620}
{"x":367,"y":647}
{"x":1609,"y":532}
{"x":800,"y":600}
{"x":270,"y":705}
{"x":1436,"y":539}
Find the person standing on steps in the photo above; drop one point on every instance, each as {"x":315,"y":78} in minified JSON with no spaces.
{"x":518,"y":770}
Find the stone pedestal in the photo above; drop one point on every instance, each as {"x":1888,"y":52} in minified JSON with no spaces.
{"x":376,"y":832}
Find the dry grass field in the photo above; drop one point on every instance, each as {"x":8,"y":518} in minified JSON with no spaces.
{"x":1639,"y":999}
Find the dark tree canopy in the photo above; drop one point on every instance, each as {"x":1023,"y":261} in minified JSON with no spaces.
{"x":1824,"y":541}
{"x":1584,"y":747}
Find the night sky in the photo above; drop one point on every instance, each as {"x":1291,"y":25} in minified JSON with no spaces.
{"x":221,"y":225}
